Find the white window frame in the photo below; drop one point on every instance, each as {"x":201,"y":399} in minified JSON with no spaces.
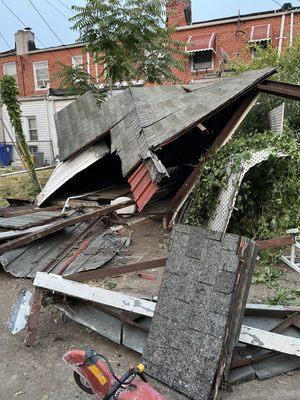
{"x":203,"y":69}
{"x":10,"y":63}
{"x":28,"y":128}
{"x":35,"y":65}
{"x":75,"y":61}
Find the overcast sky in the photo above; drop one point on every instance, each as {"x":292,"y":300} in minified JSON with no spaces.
{"x":56,"y":13}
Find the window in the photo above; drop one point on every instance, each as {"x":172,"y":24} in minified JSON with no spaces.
{"x":77,"y":61}
{"x":32,"y":130}
{"x":10,"y":69}
{"x":202,"y":60}
{"x":263,"y":45}
{"x":41,"y":75}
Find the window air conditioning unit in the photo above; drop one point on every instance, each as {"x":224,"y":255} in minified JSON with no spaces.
{"x":45,"y":83}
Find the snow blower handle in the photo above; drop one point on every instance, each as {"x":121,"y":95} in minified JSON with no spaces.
{"x":126,"y":379}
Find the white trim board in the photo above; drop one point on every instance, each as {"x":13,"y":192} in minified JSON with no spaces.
{"x":270,"y":340}
{"x":82,"y":291}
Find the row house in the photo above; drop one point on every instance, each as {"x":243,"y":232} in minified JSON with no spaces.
{"x":39,"y":93}
{"x":209,"y":43}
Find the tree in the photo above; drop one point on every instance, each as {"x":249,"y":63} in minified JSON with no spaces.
{"x":288,"y":70}
{"x":129,"y":38}
{"x":8,"y":94}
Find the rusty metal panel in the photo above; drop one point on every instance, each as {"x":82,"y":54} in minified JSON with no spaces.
{"x":142,"y":186}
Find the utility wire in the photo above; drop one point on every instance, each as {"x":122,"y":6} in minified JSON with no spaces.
{"x":66,"y":7}
{"x":7,"y":44}
{"x":54,"y":33}
{"x":25,"y":26}
{"x":57,"y":9}
{"x":277,"y":2}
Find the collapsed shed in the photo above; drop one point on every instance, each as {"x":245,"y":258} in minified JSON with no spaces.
{"x":149,"y":137}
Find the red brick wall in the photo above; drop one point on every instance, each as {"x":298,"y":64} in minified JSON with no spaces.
{"x":234,"y":42}
{"x":175,"y":12}
{"x":25,"y":67}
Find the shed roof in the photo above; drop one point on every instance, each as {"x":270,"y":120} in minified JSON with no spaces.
{"x":143,"y":118}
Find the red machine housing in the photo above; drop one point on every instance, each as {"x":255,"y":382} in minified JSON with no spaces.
{"x":100,"y":379}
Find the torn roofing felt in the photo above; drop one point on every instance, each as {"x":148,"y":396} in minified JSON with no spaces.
{"x":141,"y":120}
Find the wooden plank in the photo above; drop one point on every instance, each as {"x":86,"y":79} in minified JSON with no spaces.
{"x":289,"y":321}
{"x":285,"y":90}
{"x":33,"y":319}
{"x":225,"y":134}
{"x":82,"y":291}
{"x":13,"y":244}
{"x":275,"y":242}
{"x":116,"y":270}
{"x":270,"y":340}
{"x":265,"y":310}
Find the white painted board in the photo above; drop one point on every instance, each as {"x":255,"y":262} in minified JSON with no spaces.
{"x":57,"y":283}
{"x":270,"y":340}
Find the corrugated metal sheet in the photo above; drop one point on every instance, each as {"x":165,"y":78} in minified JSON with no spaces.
{"x":29,"y":220}
{"x":101,"y":247}
{"x":142,"y":186}
{"x":71,"y":167}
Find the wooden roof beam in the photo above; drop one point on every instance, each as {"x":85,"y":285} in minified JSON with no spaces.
{"x":286,"y":90}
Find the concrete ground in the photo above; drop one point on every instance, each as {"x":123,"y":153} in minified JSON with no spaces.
{"x":40,"y":374}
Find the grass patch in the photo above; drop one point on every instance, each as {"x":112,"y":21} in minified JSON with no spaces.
{"x":267,"y":275}
{"x":20,"y":186}
{"x":285,"y":297}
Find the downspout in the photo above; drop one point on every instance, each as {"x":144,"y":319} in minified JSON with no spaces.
{"x":292,"y":29}
{"x":281,"y":35}
{"x":88,"y":62}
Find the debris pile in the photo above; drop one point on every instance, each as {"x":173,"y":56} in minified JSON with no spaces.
{"x":98,"y":245}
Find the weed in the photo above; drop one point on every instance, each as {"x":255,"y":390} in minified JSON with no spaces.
{"x":284,"y":297}
{"x":267,"y":274}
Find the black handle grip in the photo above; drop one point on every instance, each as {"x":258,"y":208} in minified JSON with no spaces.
{"x":143,"y":377}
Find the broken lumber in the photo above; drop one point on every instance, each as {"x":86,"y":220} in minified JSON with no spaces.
{"x":270,"y":340}
{"x":266,"y":310}
{"x":117,"y":270}
{"x":33,"y":319}
{"x":82,"y":291}
{"x":55,"y":227}
{"x":275,"y":242}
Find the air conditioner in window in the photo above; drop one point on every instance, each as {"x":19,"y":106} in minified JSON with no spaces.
{"x":45,"y":84}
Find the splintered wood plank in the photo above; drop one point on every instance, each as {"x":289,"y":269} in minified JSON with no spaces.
{"x":270,"y":340}
{"x":275,"y":242}
{"x":33,"y":319}
{"x":82,"y":291}
{"x":117,"y":270}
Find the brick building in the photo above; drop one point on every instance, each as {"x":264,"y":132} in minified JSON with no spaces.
{"x":206,"y":41}
{"x":35,"y":70}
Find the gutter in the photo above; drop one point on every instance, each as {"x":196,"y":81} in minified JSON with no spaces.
{"x":235,"y":19}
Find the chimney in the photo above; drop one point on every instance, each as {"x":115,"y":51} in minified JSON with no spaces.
{"x":24,"y":40}
{"x":179,"y":12}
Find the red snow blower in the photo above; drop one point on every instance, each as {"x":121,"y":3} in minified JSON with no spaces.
{"x":94,"y":374}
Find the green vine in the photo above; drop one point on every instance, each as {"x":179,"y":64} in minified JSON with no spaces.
{"x":269,"y":198}
{"x":9,"y":93}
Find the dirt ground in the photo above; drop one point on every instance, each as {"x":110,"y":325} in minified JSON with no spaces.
{"x":39,"y":373}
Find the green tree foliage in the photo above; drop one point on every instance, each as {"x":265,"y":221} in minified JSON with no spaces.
{"x":129,"y":39}
{"x":269,"y":199}
{"x":288,"y":70}
{"x":8,"y":94}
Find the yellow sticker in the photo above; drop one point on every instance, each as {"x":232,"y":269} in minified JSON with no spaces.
{"x":98,"y":374}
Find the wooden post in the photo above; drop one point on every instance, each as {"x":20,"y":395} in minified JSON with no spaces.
{"x":34,"y":317}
